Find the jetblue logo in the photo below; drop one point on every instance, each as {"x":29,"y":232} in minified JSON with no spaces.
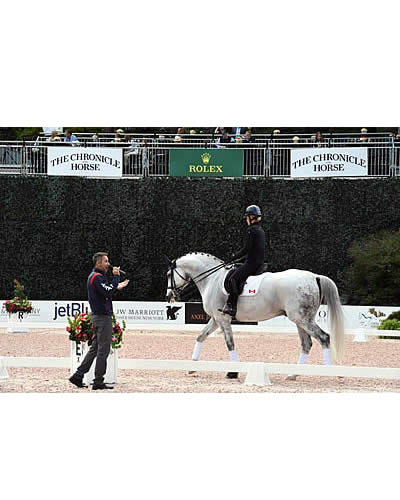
{"x":69,"y":310}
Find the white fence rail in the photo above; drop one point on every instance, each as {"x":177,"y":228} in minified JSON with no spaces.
{"x":257,"y":372}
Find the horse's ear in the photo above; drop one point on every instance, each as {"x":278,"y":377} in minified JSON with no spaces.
{"x":167,"y":260}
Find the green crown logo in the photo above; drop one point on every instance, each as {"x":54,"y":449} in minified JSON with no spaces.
{"x":206,"y":157}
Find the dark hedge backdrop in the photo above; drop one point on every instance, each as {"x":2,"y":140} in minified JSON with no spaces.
{"x":51,"y":226}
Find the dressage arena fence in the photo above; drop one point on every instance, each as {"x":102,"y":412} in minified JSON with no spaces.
{"x":257,"y":372}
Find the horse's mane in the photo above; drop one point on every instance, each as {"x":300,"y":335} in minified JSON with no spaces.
{"x":205,"y":254}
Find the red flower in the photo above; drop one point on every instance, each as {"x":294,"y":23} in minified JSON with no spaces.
{"x":68,"y":329}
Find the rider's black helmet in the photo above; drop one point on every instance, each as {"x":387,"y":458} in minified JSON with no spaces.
{"x":253,"y":210}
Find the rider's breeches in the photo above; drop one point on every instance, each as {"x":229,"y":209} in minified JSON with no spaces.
{"x":238,"y":278}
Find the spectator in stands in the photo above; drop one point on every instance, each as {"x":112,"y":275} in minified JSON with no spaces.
{"x":193,"y":131}
{"x":120,"y":131}
{"x":219,"y":130}
{"x":134,"y":147}
{"x":224,"y":140}
{"x":180,"y":132}
{"x":70,"y":138}
{"x":276,"y":132}
{"x":117,"y":138}
{"x":54,"y":137}
{"x":248,"y":137}
{"x":317,"y":139}
{"x":364,"y":138}
{"x":296,"y":142}
{"x":95,"y":138}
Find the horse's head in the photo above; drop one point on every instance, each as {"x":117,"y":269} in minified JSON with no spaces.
{"x":177,"y":279}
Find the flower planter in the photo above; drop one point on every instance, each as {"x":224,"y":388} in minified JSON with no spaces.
{"x":17,"y":322}
{"x":79,"y":351}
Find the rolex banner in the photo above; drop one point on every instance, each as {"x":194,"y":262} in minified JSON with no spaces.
{"x":206,"y":162}
{"x":87,"y":162}
{"x":329,"y":162}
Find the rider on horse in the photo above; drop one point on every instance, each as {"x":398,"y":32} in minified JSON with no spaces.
{"x":254,"y":248}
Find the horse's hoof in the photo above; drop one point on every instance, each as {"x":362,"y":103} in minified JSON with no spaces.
{"x":232,"y":375}
{"x":291,"y":377}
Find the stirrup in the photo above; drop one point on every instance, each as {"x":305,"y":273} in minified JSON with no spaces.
{"x":228,"y":309}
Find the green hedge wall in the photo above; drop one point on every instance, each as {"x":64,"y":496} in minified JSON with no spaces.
{"x":51,"y":226}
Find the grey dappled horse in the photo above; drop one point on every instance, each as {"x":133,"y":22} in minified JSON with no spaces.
{"x":294,"y":293}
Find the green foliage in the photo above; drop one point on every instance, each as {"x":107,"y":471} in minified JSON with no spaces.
{"x":374,"y":275}
{"x":20,"y":300}
{"x":53,"y":225}
{"x":389,"y":324}
{"x":29,"y":133}
{"x":394,"y":315}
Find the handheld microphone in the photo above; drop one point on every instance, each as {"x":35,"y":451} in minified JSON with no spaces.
{"x":121,"y":271}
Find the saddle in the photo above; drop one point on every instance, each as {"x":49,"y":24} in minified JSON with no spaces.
{"x":253,"y":281}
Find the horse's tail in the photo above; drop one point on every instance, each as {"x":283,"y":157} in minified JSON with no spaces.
{"x":330,"y":295}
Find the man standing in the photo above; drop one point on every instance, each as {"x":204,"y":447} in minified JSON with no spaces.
{"x":100,"y":293}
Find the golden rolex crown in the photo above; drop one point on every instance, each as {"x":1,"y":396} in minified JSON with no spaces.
{"x":206,"y":157}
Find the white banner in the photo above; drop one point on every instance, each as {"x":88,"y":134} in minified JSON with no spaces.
{"x":86,"y":162}
{"x":329,"y":162}
{"x":56,"y":312}
{"x":355,"y":317}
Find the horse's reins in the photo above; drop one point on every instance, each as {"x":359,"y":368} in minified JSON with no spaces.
{"x":192,"y":281}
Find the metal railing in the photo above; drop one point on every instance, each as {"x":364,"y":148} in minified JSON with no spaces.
{"x":268,"y":159}
{"x":154,"y":137}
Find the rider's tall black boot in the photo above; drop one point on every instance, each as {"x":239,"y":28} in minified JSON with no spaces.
{"x":231,"y":305}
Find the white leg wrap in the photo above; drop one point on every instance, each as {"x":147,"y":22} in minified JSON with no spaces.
{"x":196,"y":351}
{"x":327,"y":356}
{"x":233,"y":356}
{"x":302,"y":358}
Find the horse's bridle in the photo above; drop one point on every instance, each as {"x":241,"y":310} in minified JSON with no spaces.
{"x":174,"y":289}
{"x":177,"y":291}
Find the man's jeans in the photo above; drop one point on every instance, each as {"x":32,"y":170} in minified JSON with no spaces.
{"x":100,"y":348}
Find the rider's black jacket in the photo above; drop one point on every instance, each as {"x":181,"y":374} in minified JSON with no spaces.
{"x":254,"y":247}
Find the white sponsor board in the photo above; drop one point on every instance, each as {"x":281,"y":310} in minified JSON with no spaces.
{"x":329,"y":162}
{"x":355,"y":317}
{"x":86,"y":162}
{"x":56,"y":312}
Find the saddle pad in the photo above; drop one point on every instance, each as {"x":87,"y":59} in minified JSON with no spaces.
{"x":251,"y":286}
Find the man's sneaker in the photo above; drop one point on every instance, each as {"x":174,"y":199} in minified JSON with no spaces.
{"x":101,"y":387}
{"x":77,"y":381}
